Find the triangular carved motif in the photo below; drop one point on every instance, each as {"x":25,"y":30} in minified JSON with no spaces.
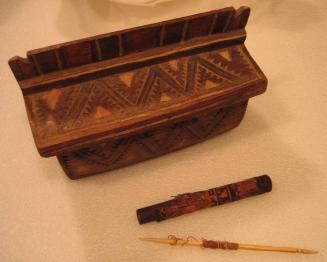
{"x":157,"y":83}
{"x":226,"y":54}
{"x":127,"y":78}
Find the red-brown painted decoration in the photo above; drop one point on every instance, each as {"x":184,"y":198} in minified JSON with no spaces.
{"x":190,"y":202}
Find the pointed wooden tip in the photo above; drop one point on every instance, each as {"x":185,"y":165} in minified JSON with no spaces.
{"x":309,"y":251}
{"x":155,"y":240}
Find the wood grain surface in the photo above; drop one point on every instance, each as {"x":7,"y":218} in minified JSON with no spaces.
{"x":93,"y":102}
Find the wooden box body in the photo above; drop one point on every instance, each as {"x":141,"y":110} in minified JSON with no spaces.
{"x":115,"y":99}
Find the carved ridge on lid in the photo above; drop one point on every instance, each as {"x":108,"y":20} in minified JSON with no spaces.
{"x":107,"y":46}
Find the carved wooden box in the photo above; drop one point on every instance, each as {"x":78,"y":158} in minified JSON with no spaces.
{"x":115,"y":99}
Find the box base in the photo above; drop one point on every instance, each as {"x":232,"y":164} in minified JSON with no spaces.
{"x":122,"y":152}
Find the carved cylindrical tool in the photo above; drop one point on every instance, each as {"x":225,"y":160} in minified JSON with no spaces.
{"x":190,"y":202}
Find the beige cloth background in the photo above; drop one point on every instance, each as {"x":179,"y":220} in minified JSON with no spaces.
{"x":44,"y":216}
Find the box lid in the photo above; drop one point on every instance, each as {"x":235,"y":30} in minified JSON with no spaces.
{"x":110,"y":86}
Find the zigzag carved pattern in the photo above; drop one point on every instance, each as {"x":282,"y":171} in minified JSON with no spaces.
{"x":85,"y":105}
{"x":114,"y":154}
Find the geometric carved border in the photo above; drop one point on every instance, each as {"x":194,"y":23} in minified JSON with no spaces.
{"x":122,"y":152}
{"x":62,"y":111}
